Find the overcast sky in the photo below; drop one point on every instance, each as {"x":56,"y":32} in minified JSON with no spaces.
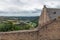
{"x":25,"y":7}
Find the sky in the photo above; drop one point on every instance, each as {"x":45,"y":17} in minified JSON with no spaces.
{"x":25,"y":7}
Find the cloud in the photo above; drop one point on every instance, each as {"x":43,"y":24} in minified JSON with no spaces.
{"x":35,"y":12}
{"x":51,"y":3}
{"x":20,"y":4}
{"x":20,"y":7}
{"x":8,"y":5}
{"x":30,"y":7}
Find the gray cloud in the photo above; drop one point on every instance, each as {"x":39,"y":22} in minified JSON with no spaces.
{"x":27,"y":6}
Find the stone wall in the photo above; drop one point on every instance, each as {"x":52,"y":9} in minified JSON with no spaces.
{"x":20,"y":35}
{"x":50,"y":31}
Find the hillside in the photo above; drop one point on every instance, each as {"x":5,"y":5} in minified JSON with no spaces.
{"x":18,"y":23}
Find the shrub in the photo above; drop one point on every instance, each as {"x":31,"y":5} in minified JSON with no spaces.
{"x":9,"y":26}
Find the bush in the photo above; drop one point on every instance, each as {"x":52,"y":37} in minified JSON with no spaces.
{"x":9,"y":26}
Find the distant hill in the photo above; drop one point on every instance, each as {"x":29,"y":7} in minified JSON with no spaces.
{"x":19,"y":17}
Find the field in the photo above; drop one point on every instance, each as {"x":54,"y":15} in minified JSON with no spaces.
{"x":18,"y":23}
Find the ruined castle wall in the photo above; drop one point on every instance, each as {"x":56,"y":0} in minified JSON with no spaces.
{"x":50,"y":31}
{"x":53,"y":13}
{"x":19,"y":35}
